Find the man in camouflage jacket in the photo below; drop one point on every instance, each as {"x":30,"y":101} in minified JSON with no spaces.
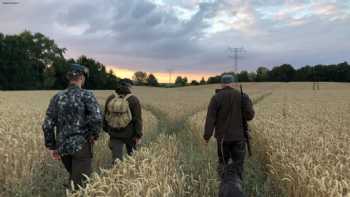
{"x":72,"y":124}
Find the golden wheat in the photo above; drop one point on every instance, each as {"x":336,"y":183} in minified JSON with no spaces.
{"x":22,"y":149}
{"x":306,"y":138}
{"x":152,"y":171}
{"x":176,"y":104}
{"x":302,"y":137}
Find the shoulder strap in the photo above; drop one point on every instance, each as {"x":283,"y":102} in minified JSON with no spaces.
{"x":128,"y":96}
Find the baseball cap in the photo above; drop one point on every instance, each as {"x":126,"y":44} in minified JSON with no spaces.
{"x":226,"y":79}
{"x":78,"y":69}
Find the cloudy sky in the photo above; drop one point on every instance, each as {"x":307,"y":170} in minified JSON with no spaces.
{"x":190,"y":37}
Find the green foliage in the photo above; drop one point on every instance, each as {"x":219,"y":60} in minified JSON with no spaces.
{"x":252,"y":76}
{"x":262,"y":74}
{"x":140,"y":78}
{"x":181,"y":81}
{"x":202,"y":82}
{"x":33,"y":61}
{"x":152,"y":81}
{"x":194,"y":83}
{"x":25,"y":59}
{"x":215,"y":79}
{"x":243,"y":76}
{"x":284,"y":73}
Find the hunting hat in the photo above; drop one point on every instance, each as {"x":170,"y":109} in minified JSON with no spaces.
{"x":78,"y":69}
{"x":226,"y":79}
{"x":124,"y":83}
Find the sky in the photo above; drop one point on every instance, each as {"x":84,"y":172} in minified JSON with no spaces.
{"x":188,"y":37}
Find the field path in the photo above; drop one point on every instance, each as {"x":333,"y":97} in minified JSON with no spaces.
{"x":202,"y":181}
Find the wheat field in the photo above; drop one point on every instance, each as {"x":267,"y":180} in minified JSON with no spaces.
{"x":306,"y":135}
{"x":300,"y":145}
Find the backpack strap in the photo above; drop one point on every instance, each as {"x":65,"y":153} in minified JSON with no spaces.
{"x":125,"y":97}
{"x":128,"y":96}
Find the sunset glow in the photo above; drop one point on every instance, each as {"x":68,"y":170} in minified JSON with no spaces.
{"x":162,"y":77}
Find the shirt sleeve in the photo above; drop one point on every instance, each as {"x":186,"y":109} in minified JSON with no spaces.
{"x":49,"y":124}
{"x":136,"y":112}
{"x":211,"y":119}
{"x":94,"y":115}
{"x":248,"y":110}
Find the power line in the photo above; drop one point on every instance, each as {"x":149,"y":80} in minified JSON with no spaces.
{"x":170,"y":71}
{"x":234,"y":53}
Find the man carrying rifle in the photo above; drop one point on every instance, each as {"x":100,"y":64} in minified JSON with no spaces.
{"x":228,"y":111}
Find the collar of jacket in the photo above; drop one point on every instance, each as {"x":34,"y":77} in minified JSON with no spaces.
{"x":225,"y":88}
{"x":71,"y":86}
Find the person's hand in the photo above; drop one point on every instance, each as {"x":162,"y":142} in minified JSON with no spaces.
{"x":54,"y":155}
{"x":137,"y":140}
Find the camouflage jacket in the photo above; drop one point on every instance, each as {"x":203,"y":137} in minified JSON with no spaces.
{"x":76,"y":116}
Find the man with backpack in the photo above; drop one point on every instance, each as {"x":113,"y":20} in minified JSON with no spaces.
{"x":123,"y":121}
{"x":227,"y":111}
{"x":72,"y":125}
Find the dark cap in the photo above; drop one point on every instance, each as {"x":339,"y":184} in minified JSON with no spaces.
{"x":124,"y":83}
{"x":123,"y":87}
{"x":78,"y":69}
{"x":226,"y":79}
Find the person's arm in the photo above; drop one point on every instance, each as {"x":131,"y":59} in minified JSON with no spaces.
{"x":248,"y":110}
{"x":136,"y":112}
{"x":93,"y":116}
{"x":49,"y":124}
{"x":211,"y":119}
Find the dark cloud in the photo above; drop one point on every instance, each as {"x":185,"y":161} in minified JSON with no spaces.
{"x":151,"y":36}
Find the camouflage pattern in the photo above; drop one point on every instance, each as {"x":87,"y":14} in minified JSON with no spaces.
{"x":76,"y":116}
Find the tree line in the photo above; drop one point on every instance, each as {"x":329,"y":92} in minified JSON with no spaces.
{"x":287,"y":73}
{"x":33,"y":61}
{"x":283,"y":73}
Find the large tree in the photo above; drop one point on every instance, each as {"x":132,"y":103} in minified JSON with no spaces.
{"x":140,"y":77}
{"x":194,"y":83}
{"x":284,"y":73}
{"x":97,"y":73}
{"x":152,"y":80}
{"x":243,"y":76}
{"x":202,"y":82}
{"x":181,"y":81}
{"x":215,"y":79}
{"x":305,"y":73}
{"x":262,"y":74}
{"x":25,"y":58}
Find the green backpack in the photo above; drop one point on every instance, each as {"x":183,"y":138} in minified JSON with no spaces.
{"x":118,"y":114}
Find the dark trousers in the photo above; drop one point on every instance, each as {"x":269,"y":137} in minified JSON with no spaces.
{"x":117,"y":145}
{"x":232,"y":152}
{"x":79,"y":164}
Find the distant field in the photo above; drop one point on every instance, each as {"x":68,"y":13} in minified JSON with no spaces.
{"x":300,"y":145}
